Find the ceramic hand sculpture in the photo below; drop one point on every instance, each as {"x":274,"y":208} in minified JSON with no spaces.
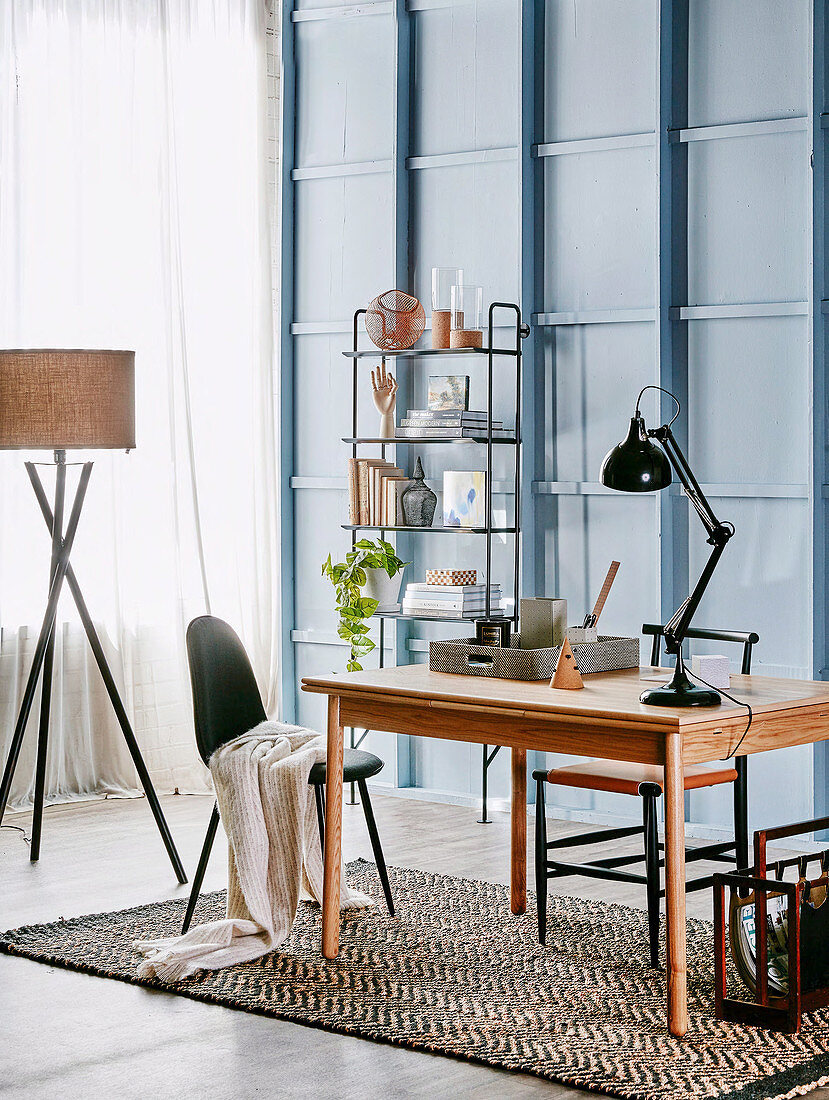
{"x":384,"y":392}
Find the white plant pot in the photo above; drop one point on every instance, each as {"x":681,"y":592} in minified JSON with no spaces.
{"x":383,"y":588}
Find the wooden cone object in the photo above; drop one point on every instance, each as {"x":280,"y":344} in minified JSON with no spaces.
{"x":567,"y":673}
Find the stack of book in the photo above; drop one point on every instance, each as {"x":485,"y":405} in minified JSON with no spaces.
{"x":451,"y":601}
{"x":454,"y":423}
{"x":375,"y":487}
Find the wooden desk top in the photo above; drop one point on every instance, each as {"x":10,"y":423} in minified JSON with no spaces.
{"x":606,"y":694}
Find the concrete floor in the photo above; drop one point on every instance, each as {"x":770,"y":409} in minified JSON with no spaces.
{"x":72,"y":1035}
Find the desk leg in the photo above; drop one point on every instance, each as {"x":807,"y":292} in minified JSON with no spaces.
{"x":518,"y":854}
{"x":675,"y":885}
{"x":332,"y":855}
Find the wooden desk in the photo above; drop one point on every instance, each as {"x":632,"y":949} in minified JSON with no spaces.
{"x":605,"y":720}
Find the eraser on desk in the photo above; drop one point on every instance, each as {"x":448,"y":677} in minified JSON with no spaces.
{"x":712,"y":668}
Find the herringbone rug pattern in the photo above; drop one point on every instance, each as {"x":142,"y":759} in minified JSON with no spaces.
{"x":455,"y":973}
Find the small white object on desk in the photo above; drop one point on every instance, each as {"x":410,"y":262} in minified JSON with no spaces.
{"x":712,"y":668}
{"x":578,"y":635}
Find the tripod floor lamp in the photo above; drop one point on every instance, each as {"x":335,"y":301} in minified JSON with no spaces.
{"x":57,"y":400}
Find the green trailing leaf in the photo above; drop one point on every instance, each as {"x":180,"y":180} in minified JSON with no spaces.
{"x":353,"y":608}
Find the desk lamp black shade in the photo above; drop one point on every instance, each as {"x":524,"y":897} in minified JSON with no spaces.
{"x":642,"y":463}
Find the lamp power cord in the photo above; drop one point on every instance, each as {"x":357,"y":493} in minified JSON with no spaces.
{"x":739,"y":702}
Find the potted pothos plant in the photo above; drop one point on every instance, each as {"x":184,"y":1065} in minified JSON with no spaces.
{"x":369,"y":578}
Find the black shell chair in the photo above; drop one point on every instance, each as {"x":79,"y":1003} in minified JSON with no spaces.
{"x":226,"y":704}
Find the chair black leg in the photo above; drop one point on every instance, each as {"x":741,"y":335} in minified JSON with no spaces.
{"x":319,"y":795}
{"x":204,"y":858}
{"x":741,"y":811}
{"x":652,"y":872}
{"x":541,"y":860}
{"x":374,"y":837}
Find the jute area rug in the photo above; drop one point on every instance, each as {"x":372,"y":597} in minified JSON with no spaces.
{"x":455,"y":973}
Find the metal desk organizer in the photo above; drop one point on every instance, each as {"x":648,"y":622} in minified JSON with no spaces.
{"x":464,"y":657}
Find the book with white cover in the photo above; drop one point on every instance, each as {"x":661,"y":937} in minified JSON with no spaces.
{"x":452,"y":592}
{"x":452,"y":605}
{"x":428,"y":613}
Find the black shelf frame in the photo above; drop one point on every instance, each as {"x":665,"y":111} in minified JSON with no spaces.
{"x":484,"y":438}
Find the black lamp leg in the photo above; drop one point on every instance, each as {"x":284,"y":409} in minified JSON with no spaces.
{"x":45,"y":633}
{"x":64,"y":569}
{"x":48,"y":664}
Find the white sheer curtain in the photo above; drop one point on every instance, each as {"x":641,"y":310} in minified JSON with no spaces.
{"x":134,"y":213}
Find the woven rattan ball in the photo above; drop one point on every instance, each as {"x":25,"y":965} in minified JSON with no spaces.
{"x":395,"y":320}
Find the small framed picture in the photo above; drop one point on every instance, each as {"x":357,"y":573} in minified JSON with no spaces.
{"x":464,"y":498}
{"x":449,"y":391}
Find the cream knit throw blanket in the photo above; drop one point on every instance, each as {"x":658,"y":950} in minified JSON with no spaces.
{"x":267,"y":808}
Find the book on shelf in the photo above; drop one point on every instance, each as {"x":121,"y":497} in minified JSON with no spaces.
{"x":452,"y":591}
{"x":388,"y":478}
{"x":364,"y":489}
{"x":446,"y":416}
{"x":394,"y":488}
{"x":366,"y":481}
{"x":427,"y":613}
{"x":478,"y":604}
{"x":353,"y":492}
{"x":423,"y":422}
{"x":405,"y":432}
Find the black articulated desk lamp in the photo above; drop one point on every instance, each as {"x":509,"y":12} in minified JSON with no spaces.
{"x":638,"y":465}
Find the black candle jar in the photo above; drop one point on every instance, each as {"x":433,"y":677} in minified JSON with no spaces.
{"x":493,"y":632}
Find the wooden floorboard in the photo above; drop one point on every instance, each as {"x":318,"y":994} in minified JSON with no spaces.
{"x":71,"y":1035}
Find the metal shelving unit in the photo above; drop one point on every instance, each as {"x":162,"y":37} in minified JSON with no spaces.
{"x":485,"y":439}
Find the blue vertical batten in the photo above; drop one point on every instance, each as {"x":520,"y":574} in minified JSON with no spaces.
{"x":532,"y":290}
{"x":287,"y":663}
{"x":672,"y":279}
{"x":820,"y":632}
{"x":403,"y":280}
{"x":532,"y":279}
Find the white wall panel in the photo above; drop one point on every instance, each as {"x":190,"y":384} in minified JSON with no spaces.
{"x":592,"y":532}
{"x":748,"y":215}
{"x":343,"y":245}
{"x":340,"y":116}
{"x":467,"y":89}
{"x":763,"y":581}
{"x":748,"y":59}
{"x":599,"y":370}
{"x":468,"y":217}
{"x":748,"y":399}
{"x":594,"y":49}
{"x":600,"y":236}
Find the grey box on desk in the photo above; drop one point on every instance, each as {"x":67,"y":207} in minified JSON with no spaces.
{"x":543,"y":622}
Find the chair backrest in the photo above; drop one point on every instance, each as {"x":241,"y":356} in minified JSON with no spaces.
{"x":226,"y":699}
{"x":747,"y":639}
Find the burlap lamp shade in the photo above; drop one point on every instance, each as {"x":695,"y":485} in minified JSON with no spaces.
{"x":61,"y":400}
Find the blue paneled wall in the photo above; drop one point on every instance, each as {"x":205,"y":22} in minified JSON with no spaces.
{"x":639,"y":175}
